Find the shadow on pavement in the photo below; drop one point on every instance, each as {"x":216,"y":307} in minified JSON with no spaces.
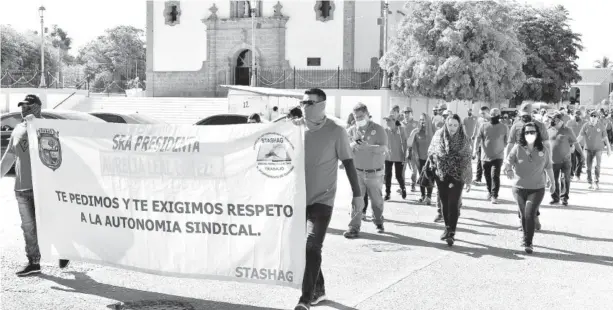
{"x":491,"y":224}
{"x":500,"y":201}
{"x":436,"y":227}
{"x":483,"y":250}
{"x":578,"y":208}
{"x":84,"y":284}
{"x":488,"y":210}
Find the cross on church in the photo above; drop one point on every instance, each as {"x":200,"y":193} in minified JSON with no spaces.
{"x":174,"y":14}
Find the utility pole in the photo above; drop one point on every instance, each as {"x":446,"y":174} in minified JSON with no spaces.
{"x":253,"y":66}
{"x":41,"y":13}
{"x":385,"y":83}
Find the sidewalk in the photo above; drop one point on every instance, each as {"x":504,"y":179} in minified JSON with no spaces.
{"x":407,"y":267}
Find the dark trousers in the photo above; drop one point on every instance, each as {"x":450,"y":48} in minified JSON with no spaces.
{"x":425,"y":191}
{"x":593,"y":158}
{"x":479,"y":166}
{"x":365,"y":203}
{"x":528,"y":201}
{"x":450,"y":196}
{"x":318,"y":218}
{"x":561,"y":173}
{"x":398,"y":171}
{"x":610,"y":135}
{"x":577,"y":163}
{"x":491,"y":170}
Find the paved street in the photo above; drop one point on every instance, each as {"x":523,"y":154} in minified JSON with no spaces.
{"x":408,"y":267}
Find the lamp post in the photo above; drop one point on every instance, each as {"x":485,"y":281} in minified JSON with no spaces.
{"x":41,"y":13}
{"x":253,"y":66}
{"x":385,"y":83}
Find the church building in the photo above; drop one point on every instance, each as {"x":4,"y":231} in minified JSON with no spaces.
{"x":195,"y":46}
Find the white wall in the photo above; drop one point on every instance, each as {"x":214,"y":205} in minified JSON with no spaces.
{"x":183,"y":47}
{"x":307,"y":37}
{"x":367,"y":33}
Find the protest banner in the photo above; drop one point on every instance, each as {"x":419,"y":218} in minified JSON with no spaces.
{"x":213,"y":202}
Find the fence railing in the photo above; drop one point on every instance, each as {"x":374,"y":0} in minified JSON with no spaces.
{"x":309,"y":78}
{"x":31,"y":79}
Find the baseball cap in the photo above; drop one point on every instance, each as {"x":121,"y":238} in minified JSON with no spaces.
{"x":525,"y":109}
{"x":495,"y":112}
{"x":446,"y":112}
{"x":407,"y":110}
{"x":443,"y":106}
{"x":30,"y":99}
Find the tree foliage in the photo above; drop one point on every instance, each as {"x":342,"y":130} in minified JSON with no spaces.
{"x":551,"y":49}
{"x":457,"y":50}
{"x":605,"y":62}
{"x":21,"y":51}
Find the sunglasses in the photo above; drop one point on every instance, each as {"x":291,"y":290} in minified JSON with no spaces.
{"x":593,"y":116}
{"x":307,"y":102}
{"x":530,"y":132}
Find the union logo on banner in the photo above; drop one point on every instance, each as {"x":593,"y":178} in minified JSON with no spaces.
{"x":49,"y":147}
{"x":274,"y":155}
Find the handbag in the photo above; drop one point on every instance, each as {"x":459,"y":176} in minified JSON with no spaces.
{"x":427,"y":175}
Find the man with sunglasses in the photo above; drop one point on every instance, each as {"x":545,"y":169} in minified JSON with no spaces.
{"x":325,"y":143}
{"x":563,"y":143}
{"x":595,"y":137}
{"x":18,"y":153}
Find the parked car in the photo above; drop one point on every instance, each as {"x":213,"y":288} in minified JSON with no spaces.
{"x":225,"y":119}
{"x":126,"y":118}
{"x":10,"y":120}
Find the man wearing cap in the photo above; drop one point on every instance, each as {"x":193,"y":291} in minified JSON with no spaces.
{"x":484,"y":118}
{"x":595,"y":137}
{"x":18,"y":153}
{"x":325,"y":143}
{"x":491,"y":138}
{"x":577,"y":157}
{"x":369,"y":143}
{"x":470,"y":124}
{"x":562,"y":140}
{"x":409,"y":124}
{"x":438,"y":121}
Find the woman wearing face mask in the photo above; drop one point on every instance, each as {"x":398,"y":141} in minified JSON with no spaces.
{"x":395,"y":157}
{"x":420,"y":139}
{"x":450,"y":152}
{"x":526,"y":165}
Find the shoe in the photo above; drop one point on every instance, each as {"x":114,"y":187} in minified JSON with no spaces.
{"x":428,"y":201}
{"x":554,"y":202}
{"x":438,"y":218}
{"x":590,"y":187}
{"x":565,"y":202}
{"x":476,"y":183}
{"x":596,"y":185}
{"x":30,"y":269}
{"x":412,"y":188}
{"x":399,"y":191}
{"x":444,"y":235}
{"x":302,"y":306}
{"x":494,"y":200}
{"x":404,"y":193}
{"x":527,"y":247}
{"x":537,"y":223}
{"x":387,"y":197}
{"x":351,"y":234}
{"x":380,"y":228}
{"x":318,"y":297}
{"x":450,"y":239}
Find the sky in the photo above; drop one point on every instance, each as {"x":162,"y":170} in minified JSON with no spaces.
{"x":84,"y":20}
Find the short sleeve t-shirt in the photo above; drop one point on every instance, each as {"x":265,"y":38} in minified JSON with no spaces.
{"x":594,"y":136}
{"x":409,"y":126}
{"x":323,"y":149}
{"x":372,"y":134}
{"x":23,"y":169}
{"x":470,"y":124}
{"x":529,"y":166}
{"x":493,"y":141}
{"x":561,"y":141}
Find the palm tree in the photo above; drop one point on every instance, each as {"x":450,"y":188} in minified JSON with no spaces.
{"x":605,"y":62}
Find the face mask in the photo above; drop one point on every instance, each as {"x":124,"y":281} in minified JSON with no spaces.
{"x":315,"y":115}
{"x":435,"y":113}
{"x":530,"y":139}
{"x":577,"y":118}
{"x":526,"y":118}
{"x":593,"y":120}
{"x":470,"y":113}
{"x":362,"y":123}
{"x":495,"y":120}
{"x":32,"y":109}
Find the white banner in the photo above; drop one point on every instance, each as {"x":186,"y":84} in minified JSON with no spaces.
{"x":214,"y":202}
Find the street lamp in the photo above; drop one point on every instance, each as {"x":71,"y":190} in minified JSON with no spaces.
{"x":41,"y":13}
{"x":386,"y":84}
{"x":253,"y":67}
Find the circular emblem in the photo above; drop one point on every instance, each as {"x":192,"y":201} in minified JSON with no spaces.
{"x":374,"y":132}
{"x":49,"y":147}
{"x":541,"y":154}
{"x":275,"y":152}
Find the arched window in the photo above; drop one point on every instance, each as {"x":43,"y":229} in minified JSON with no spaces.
{"x":172,"y":12}
{"x":324,"y":10}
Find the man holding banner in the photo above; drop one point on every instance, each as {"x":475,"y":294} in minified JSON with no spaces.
{"x":325,"y":144}
{"x":18,"y":153}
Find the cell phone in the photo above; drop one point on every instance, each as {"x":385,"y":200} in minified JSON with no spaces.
{"x":358,"y":141}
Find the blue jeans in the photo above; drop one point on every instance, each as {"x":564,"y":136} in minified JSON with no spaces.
{"x":25,"y":202}
{"x":528,"y":201}
{"x":371,"y":184}
{"x":562,"y":174}
{"x":318,"y":218}
{"x":590,"y":156}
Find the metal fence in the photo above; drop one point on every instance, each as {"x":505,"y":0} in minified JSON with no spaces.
{"x":31,"y":79}
{"x":309,"y":78}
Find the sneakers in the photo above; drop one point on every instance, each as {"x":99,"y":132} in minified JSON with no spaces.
{"x":318,"y":297}
{"x":554,"y":202}
{"x":565,"y":202}
{"x":351,"y":234}
{"x":527,"y":247}
{"x":404,"y":193}
{"x":30,"y":269}
{"x":412,"y":188}
{"x":494,"y":200}
{"x":596,"y":185}
{"x":64,"y":263}
{"x":450,"y":239}
{"x":387,"y":197}
{"x":380,"y":228}
{"x":476,"y":183}
{"x":438,"y":218}
{"x":302,"y":306}
{"x":427,"y":201}
{"x":590,"y":187}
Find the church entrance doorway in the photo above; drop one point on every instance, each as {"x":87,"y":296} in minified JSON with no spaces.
{"x":243,"y":68}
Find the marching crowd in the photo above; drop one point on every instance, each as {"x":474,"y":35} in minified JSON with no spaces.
{"x":538,"y":150}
